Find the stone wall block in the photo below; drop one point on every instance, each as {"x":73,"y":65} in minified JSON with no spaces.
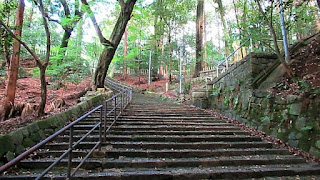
{"x":6,"y":144}
{"x":295,"y":109}
{"x":34,"y":127}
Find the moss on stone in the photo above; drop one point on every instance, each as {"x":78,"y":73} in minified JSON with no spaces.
{"x":295,"y":109}
{"x":10,"y":156}
{"x":52,"y":121}
{"x":25,"y":131}
{"x":35,"y":137}
{"x":43,"y":124}
{"x":16,"y":137}
{"x":33,"y":127}
{"x":41,"y":134}
{"x":48,"y":131}
{"x":19,"y":149}
{"x":6,"y":144}
{"x":27,"y":142}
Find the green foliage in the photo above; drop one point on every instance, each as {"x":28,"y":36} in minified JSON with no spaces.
{"x":163,"y":98}
{"x":186,"y":87}
{"x":307,"y":128}
{"x":216,"y":91}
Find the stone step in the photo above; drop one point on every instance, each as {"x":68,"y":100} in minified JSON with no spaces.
{"x":221,"y":172}
{"x":171,"y":118}
{"x":166,"y":114}
{"x":122,"y":118}
{"x":166,"y":138}
{"x":171,"y":153}
{"x":151,"y":123}
{"x":225,"y":132}
{"x":161,"y":127}
{"x":162,"y":145}
{"x":65,"y":145}
{"x":126,"y":162}
{"x":183,"y":153}
{"x":114,"y":132}
{"x":173,"y":128}
{"x":187,"y":145}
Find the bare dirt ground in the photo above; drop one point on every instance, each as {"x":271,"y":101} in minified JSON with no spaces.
{"x":28,"y":91}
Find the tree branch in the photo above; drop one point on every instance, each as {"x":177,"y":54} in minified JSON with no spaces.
{"x":76,"y":7}
{"x":66,"y":8}
{"x":50,"y":19}
{"x":122,"y":4}
{"x":36,"y":58}
{"x":102,"y":39}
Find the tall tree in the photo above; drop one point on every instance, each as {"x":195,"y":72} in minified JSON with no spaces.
{"x":199,"y":38}
{"x":14,"y":62}
{"x":221,"y":10}
{"x":110,"y":46}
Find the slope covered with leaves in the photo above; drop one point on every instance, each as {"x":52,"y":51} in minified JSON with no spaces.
{"x":305,"y":63}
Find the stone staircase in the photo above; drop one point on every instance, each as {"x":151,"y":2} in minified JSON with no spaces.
{"x":157,"y":139}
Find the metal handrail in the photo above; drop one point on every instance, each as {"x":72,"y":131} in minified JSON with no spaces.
{"x":231,"y":54}
{"x":125,"y":96}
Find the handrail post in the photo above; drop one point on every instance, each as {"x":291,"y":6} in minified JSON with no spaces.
{"x":70,"y":153}
{"x":100,"y":128}
{"x":105,"y":121}
{"x":115,"y":108}
{"x":217,"y":71}
{"x":121,"y":101}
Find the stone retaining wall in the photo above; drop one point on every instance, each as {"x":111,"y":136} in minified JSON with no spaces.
{"x":16,"y":142}
{"x":294,"y":119}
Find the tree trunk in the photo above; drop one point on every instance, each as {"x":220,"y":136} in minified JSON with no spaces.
{"x":14,"y":62}
{"x":199,"y":38}
{"x":274,"y":37}
{"x":205,"y":40}
{"x":115,"y":38}
{"x":43,"y":95}
{"x":65,"y":38}
{"x":125,"y":52}
{"x":43,"y":65}
{"x":225,"y":28}
{"x":170,"y":54}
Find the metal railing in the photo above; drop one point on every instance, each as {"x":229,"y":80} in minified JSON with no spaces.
{"x":117,"y":103}
{"x":225,"y":61}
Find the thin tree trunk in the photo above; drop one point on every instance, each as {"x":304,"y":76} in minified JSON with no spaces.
{"x":274,"y":37}
{"x":14,"y":62}
{"x":170,"y":55}
{"x":43,"y":66}
{"x":43,"y":94}
{"x":125,"y":52}
{"x":199,"y":38}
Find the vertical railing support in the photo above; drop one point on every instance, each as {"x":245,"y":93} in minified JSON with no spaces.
{"x":105,"y":121}
{"x":115,"y":108}
{"x":121,"y":101}
{"x":70,"y":153}
{"x":100,"y":128}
